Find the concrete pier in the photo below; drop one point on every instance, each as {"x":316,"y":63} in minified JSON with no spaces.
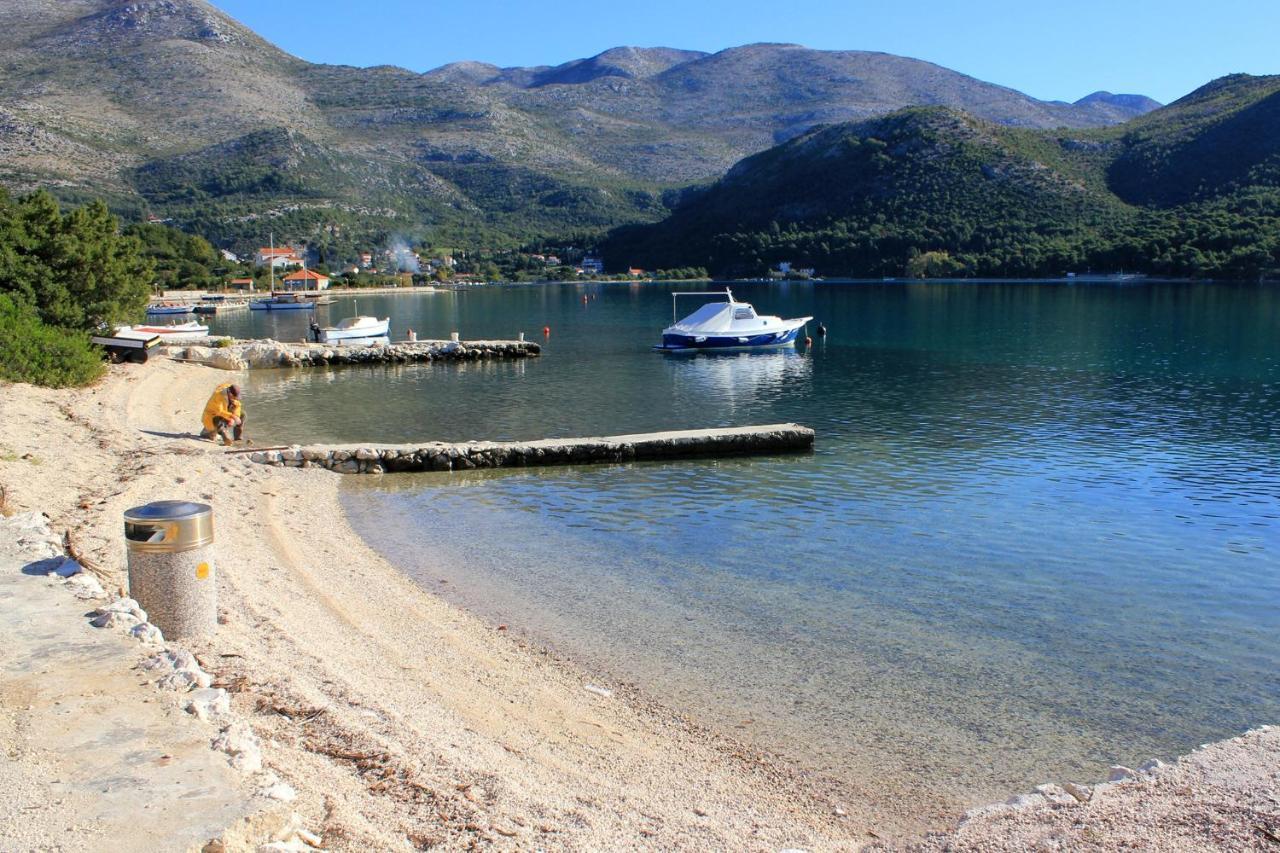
{"x":251,"y":355}
{"x":443,"y":456}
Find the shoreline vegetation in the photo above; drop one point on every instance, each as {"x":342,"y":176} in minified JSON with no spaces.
{"x":397,"y":717}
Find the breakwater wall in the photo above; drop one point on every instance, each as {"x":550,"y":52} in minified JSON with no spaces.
{"x":444,"y":456}
{"x":254,"y":355}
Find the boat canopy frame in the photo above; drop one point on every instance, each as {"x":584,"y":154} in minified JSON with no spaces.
{"x":675,"y":318}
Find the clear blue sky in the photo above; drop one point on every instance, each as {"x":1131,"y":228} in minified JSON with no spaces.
{"x":1051,"y":49}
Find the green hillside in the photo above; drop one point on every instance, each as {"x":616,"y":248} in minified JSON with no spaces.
{"x":171,"y":108}
{"x":1188,"y":190}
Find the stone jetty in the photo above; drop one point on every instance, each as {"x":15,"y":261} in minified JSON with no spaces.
{"x":255,"y":355}
{"x":443,"y":456}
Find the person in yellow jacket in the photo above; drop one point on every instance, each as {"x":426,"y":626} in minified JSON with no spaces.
{"x":223,"y":414}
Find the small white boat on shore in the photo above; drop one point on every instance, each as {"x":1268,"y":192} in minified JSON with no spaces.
{"x":354,"y":330}
{"x":175,"y":332}
{"x":728,"y":326}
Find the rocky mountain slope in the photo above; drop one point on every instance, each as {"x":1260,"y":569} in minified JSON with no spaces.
{"x":173,"y":108}
{"x":1189,"y":189}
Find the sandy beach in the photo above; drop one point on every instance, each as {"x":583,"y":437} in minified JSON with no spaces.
{"x":406,"y":723}
{"x":400,"y":720}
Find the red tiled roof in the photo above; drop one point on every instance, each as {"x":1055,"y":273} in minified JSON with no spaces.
{"x":277,"y":252}
{"x":304,"y":275}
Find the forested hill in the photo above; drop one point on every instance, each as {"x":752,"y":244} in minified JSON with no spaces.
{"x":172,"y":108}
{"x":1192,"y":189}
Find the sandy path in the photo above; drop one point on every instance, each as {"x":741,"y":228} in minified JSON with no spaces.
{"x":398,"y":718}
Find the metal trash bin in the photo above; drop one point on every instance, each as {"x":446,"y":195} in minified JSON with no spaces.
{"x":171,"y":571}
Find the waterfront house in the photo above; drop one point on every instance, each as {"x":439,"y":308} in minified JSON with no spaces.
{"x":305,"y":279}
{"x":592,"y":266}
{"x":243,"y":285}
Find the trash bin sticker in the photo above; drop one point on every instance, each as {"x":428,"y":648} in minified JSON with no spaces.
{"x":202,"y":572}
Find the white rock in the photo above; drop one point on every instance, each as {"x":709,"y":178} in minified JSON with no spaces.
{"x":1056,"y":794}
{"x":85,"y":587}
{"x":207,"y":703}
{"x":294,"y":846}
{"x":1026,"y":801}
{"x":115,"y":619}
{"x":599,"y":691}
{"x":242,"y":747}
{"x":147,"y":633}
{"x":1080,"y":792}
{"x":1120,"y":773}
{"x":1152,"y":767}
{"x":227,"y":359}
{"x":280,"y":791}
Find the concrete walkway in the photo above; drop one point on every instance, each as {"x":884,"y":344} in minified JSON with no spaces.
{"x":94,"y":756}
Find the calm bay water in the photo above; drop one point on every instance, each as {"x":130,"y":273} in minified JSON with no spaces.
{"x":1039,"y":533}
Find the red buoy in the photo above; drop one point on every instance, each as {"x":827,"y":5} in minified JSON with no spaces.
{"x":546,"y":331}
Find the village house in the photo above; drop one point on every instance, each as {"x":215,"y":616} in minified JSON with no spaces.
{"x":592,"y":266}
{"x":244,"y":285}
{"x":282,"y":258}
{"x":305,"y":279}
{"x":366,"y":260}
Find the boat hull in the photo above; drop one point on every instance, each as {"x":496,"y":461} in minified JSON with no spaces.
{"x":262,"y":305}
{"x":675,"y":342}
{"x":167,"y":310}
{"x":364,"y":334}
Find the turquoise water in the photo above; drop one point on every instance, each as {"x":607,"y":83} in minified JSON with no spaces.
{"x":1038,"y":535}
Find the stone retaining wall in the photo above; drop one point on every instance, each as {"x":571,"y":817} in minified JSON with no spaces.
{"x":441,"y":456}
{"x":249,"y":355}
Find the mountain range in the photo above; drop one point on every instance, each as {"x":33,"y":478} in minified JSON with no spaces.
{"x":171,"y":108}
{"x":1191,"y":189}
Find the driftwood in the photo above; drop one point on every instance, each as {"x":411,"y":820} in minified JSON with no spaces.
{"x":88,"y":565}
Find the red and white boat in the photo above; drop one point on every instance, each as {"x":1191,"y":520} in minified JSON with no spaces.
{"x":175,"y":332}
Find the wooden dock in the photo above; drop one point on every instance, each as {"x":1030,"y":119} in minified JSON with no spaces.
{"x":766,"y":440}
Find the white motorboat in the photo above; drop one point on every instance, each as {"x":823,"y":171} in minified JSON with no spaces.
{"x":176,"y":332}
{"x":727,"y":326}
{"x":356,"y":330}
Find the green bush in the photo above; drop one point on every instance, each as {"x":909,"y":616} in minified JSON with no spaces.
{"x":43,"y":355}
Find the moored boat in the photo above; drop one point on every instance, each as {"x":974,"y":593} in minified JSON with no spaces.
{"x":162,"y":309}
{"x":283,"y":302}
{"x":727,"y":326}
{"x":356,"y":330}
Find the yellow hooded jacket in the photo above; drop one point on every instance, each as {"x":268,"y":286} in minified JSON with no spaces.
{"x":220,"y":405}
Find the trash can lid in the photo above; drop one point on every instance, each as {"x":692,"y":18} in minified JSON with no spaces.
{"x":168,"y":511}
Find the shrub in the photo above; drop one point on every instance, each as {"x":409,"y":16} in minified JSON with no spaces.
{"x":43,"y":355}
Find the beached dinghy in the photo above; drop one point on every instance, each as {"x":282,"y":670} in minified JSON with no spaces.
{"x":176,"y":332}
{"x":727,"y":326}
{"x":355,"y":330}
